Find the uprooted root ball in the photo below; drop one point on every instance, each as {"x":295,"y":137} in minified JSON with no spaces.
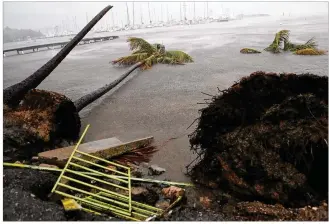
{"x":41,"y":118}
{"x":265,"y":138}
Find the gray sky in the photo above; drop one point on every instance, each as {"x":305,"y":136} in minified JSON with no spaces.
{"x":46,"y":15}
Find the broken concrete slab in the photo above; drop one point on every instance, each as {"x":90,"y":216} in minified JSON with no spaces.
{"x":104,"y":148}
{"x":59,"y":156}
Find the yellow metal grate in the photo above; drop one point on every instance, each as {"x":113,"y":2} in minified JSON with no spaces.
{"x":103,"y":192}
{"x":140,"y":211}
{"x":84,"y":179}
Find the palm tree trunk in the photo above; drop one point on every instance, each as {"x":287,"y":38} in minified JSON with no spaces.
{"x":14,"y":94}
{"x":91,"y":97}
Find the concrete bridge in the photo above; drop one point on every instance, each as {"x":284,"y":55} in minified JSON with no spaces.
{"x":22,"y":50}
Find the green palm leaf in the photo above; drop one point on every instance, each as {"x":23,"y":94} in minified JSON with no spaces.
{"x":140,"y":45}
{"x":310,"y":44}
{"x":280,"y":37}
{"x":150,"y":54}
{"x":179,"y":56}
{"x":149,"y":62}
{"x":131,"y":59}
{"x":167,"y":60}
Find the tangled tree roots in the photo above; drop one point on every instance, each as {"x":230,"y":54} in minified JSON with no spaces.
{"x":42,"y":118}
{"x":265,"y":138}
{"x":257,"y":211}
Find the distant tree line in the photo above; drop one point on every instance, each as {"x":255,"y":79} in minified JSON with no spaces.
{"x":12,"y":35}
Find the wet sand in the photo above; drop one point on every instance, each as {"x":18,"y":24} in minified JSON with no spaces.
{"x":162,"y":102}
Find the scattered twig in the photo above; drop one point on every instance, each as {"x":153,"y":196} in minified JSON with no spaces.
{"x":207,"y":94}
{"x":315,"y":117}
{"x":192,"y":123}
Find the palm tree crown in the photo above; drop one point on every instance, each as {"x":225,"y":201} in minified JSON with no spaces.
{"x":150,"y":54}
{"x":280,"y":38}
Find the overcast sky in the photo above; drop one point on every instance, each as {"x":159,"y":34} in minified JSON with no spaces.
{"x":47,"y":15}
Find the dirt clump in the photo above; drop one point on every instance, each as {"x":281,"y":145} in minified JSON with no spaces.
{"x":256,"y":211}
{"x":25,"y":198}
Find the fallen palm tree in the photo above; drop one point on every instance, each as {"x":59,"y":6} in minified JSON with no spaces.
{"x":144,"y":56}
{"x":265,"y":139}
{"x":42,"y":118}
{"x":33,"y":118}
{"x":249,"y":51}
{"x":280,"y":38}
{"x":38,"y":118}
{"x":15,"y":93}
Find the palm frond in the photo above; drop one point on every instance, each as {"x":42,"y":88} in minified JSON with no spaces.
{"x":167,"y":60}
{"x":310,"y":51}
{"x":311,"y":43}
{"x":280,"y":37}
{"x":140,"y":52}
{"x":140,"y":45}
{"x":288,"y":46}
{"x":179,"y":56}
{"x":295,"y":47}
{"x":136,"y":156}
{"x":160,"y":48}
{"x":149,"y":54}
{"x":149,"y":62}
{"x":131,"y":59}
{"x":249,"y":51}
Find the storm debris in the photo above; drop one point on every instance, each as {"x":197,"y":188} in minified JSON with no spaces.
{"x":156,"y":170}
{"x":264,"y":139}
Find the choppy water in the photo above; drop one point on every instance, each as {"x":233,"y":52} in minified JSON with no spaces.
{"x":163,"y":101}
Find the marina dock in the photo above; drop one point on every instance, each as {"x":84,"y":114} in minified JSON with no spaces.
{"x":36,"y":48}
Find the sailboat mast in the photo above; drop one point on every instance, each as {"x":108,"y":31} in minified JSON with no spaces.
{"x":75,"y":24}
{"x":141,"y":11}
{"x":180,"y":11}
{"x":133,"y":14}
{"x":161,"y":14}
{"x":149,"y":12}
{"x":194,"y":11}
{"x":113,"y":24}
{"x":128,"y":20}
{"x":184,"y":7}
{"x":207,"y":11}
{"x":204,"y":10}
{"x":155,"y":16}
